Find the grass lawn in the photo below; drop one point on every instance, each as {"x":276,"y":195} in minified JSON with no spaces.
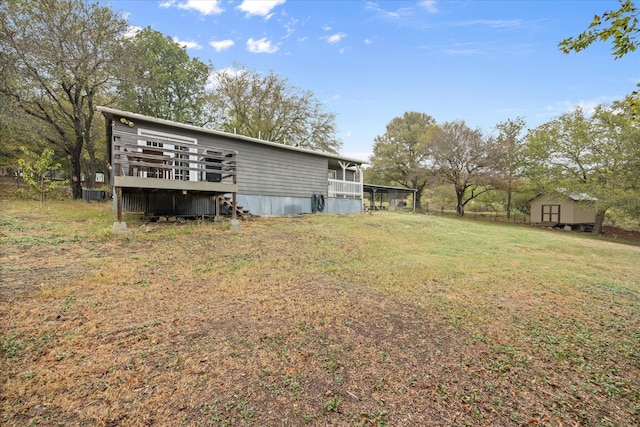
{"x":388,"y":319}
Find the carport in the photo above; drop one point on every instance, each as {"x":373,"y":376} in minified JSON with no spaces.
{"x":395,"y":197}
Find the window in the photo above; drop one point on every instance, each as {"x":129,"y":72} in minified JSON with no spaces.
{"x":155,"y":144}
{"x":180,"y":153}
{"x":332,"y":174}
{"x":550,"y":213}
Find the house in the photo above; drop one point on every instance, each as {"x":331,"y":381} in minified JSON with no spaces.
{"x":161,"y":167}
{"x":569,"y":210}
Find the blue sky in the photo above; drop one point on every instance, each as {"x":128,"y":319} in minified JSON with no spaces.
{"x":370,"y":61}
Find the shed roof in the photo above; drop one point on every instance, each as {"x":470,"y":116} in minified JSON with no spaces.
{"x":107,"y":111}
{"x":576,"y":197}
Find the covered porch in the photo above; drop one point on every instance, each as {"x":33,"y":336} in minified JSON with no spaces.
{"x":345,"y":180}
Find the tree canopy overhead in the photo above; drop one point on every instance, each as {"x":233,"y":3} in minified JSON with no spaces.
{"x":620,"y":25}
{"x":267,"y":107}
{"x":60,"y":56}
{"x":161,"y":80}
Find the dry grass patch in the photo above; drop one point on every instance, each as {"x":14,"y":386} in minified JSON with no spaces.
{"x":386,"y":319}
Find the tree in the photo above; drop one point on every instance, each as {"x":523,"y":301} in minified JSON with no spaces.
{"x":269,"y":108}
{"x":596,"y":156}
{"x":622,"y":26}
{"x":63,"y":53}
{"x":509,"y":143}
{"x":37,"y":173}
{"x":465,"y":158}
{"x":401,"y":154}
{"x":161,"y":80}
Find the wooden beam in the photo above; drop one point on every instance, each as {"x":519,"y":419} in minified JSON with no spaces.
{"x":233,"y":201}
{"x":119,"y":203}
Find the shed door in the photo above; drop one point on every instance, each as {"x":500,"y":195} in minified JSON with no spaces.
{"x":550,"y":213}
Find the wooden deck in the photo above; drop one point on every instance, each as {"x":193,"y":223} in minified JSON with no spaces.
{"x":161,"y":165}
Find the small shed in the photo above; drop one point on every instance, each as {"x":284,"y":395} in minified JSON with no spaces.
{"x":573,"y":210}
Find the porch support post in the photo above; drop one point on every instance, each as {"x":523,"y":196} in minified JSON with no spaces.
{"x":119,"y":203}
{"x":361,"y":173}
{"x":415,"y":192}
{"x":233,"y":202}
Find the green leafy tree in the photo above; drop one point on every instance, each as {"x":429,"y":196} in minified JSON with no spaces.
{"x":38,"y":172}
{"x":596,"y":155}
{"x":622,"y":27}
{"x":268,"y":107}
{"x":61,"y":54}
{"x":401,"y":154}
{"x":509,"y":143}
{"x":465,"y":158}
{"x":161,"y":80}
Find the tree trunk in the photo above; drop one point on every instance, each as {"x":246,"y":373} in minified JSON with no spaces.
{"x":460,"y":204}
{"x":597,"y":225}
{"x":76,"y":171}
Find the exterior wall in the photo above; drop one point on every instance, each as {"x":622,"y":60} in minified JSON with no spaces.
{"x":581,"y":214}
{"x":276,"y":206}
{"x":272,"y":180}
{"x":262,"y":169}
{"x":343,"y":206}
{"x":571,"y":212}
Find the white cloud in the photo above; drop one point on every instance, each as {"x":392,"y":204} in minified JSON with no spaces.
{"x":290,"y":27}
{"x":221,"y":45}
{"x":132,"y":31}
{"x":493,"y":23}
{"x":389,"y":14}
{"x":429,"y":6}
{"x":187,"y":44}
{"x":261,"y":46}
{"x":559,"y":108}
{"x":368,"y":41}
{"x":205,"y":7}
{"x":335,"y":38}
{"x":259,"y":7}
{"x":462,"y":52}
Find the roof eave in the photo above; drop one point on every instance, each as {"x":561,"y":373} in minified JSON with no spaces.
{"x":113,"y":111}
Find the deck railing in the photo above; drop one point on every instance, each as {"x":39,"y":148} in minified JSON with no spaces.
{"x":171,"y":160}
{"x":339,"y":188}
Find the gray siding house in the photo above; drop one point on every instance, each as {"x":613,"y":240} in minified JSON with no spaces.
{"x":162,"y":167}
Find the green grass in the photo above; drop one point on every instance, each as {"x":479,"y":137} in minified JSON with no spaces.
{"x":383,"y":319}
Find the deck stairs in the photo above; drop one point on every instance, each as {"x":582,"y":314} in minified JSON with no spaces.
{"x":241,"y":213}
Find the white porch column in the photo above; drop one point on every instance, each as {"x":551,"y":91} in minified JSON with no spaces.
{"x":361,"y":173}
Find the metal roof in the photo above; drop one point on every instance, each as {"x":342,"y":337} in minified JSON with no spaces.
{"x":112,"y":111}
